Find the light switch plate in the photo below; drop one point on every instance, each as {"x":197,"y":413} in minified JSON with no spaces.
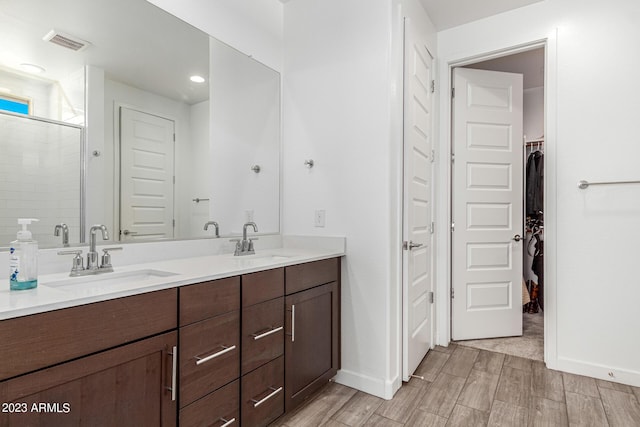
{"x":319,"y":218}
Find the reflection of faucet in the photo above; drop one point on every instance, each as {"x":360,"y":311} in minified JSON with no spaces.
{"x":92,"y":255}
{"x":65,"y":233}
{"x":215,"y":224}
{"x":245,"y":246}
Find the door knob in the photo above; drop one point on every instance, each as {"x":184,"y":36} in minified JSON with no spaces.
{"x":410,"y":245}
{"x":517,"y":237}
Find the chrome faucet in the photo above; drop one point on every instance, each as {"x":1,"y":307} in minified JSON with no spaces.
{"x":215,"y":224}
{"x":78,"y":269}
{"x":245,"y":246}
{"x":65,"y":233}
{"x":92,"y":255}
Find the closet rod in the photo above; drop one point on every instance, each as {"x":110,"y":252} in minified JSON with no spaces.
{"x":534,"y":142}
{"x":582,"y":184}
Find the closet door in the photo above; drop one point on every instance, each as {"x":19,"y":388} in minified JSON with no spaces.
{"x":487,"y":205}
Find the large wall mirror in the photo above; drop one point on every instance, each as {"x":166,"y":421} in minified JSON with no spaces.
{"x":115,"y":112}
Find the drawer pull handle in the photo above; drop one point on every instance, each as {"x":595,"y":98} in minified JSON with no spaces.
{"x":256,"y":337}
{"x":275,"y":391}
{"x":227,"y":422}
{"x":201,"y":360}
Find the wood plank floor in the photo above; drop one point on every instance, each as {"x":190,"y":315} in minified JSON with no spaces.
{"x":468,"y":387}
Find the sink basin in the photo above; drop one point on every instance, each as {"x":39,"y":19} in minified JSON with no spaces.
{"x":267,"y":257}
{"x":109,"y":281}
{"x":273,"y":258}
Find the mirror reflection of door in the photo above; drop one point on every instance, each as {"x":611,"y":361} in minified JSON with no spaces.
{"x":146,"y":176}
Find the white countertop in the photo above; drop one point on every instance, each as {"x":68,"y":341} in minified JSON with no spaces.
{"x":58,"y":290}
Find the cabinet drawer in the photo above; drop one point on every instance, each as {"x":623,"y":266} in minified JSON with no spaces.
{"x":208,"y":299}
{"x":308,"y":275}
{"x":219,"y":408}
{"x":262,"y":333}
{"x":263,"y":394}
{"x":262,"y":286}
{"x":57,"y":336}
{"x":209,"y":355}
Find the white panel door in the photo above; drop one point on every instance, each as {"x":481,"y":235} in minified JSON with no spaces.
{"x":417,"y":277}
{"x":487,"y":204}
{"x":146,"y":176}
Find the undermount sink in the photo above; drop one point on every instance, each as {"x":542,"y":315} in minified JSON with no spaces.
{"x":105,"y":281}
{"x":270,"y":257}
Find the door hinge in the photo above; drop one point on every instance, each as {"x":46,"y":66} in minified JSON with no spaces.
{"x":431,"y":297}
{"x":174,"y":137}
{"x":432,"y":228}
{"x":433,"y":156}
{"x":453,"y":158}
{"x":433,"y":86}
{"x":453,"y":226}
{"x":453,"y":92}
{"x":452,"y":293}
{"x":174,"y":179}
{"x":173,"y":223}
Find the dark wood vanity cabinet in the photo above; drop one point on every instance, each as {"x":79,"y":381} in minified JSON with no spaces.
{"x":236,"y":351}
{"x":312,"y":344}
{"x":96,"y":364}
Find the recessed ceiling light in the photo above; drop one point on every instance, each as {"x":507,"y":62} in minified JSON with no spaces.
{"x":32,"y":68}
{"x":197,"y":79}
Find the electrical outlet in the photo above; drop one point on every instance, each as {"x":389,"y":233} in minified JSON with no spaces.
{"x":248,"y":215}
{"x":319,"y":218}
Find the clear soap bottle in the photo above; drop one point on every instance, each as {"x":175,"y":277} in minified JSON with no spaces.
{"x":23,"y":259}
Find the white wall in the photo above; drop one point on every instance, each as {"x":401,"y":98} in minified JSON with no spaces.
{"x":245,"y":132}
{"x":342,"y":96}
{"x":200,"y":170}
{"x":533,"y":113}
{"x":251,"y":26}
{"x":591,"y":235}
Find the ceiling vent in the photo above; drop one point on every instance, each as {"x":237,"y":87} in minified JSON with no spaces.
{"x":65,"y":40}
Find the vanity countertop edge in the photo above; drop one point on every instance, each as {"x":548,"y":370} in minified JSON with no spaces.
{"x":185,"y":271}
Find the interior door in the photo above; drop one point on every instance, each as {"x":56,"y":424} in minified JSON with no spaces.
{"x":146,"y":175}
{"x":417,"y":277}
{"x":487,"y":204}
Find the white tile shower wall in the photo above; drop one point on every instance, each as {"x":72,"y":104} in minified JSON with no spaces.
{"x":39,"y":178}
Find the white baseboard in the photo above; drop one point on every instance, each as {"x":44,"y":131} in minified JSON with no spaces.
{"x":375,"y":386}
{"x":607,"y":373}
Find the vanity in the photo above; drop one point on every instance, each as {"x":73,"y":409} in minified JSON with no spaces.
{"x":240,"y":345}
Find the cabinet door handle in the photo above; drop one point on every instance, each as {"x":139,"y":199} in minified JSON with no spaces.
{"x":201,"y":360}
{"x":256,"y":337}
{"x":275,"y":391}
{"x":227,"y":422}
{"x":293,"y":322}
{"x":174,"y":372}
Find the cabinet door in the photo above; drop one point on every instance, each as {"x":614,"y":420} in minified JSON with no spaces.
{"x":129,"y":385}
{"x":312,"y":341}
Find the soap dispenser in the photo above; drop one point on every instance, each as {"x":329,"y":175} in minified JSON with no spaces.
{"x":23,"y":259}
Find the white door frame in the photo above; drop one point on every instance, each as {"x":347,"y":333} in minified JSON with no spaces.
{"x":444,"y":200}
